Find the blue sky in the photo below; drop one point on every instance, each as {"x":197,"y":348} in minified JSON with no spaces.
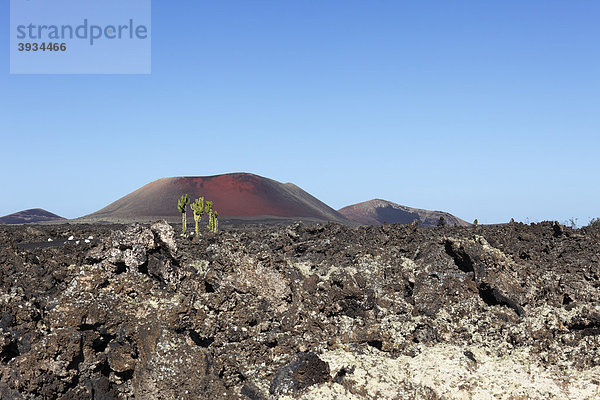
{"x":486,"y":110}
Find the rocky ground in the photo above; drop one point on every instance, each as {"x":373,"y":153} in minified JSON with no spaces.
{"x":300,"y":311}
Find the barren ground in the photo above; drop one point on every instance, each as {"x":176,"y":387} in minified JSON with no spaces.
{"x":300,"y":311}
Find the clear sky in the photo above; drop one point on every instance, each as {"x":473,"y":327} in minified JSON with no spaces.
{"x":487,"y":110}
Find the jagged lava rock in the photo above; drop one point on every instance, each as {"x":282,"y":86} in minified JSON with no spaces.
{"x":300,"y":311}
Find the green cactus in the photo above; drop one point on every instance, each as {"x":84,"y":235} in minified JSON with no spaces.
{"x":198,"y":208}
{"x":209,"y":211}
{"x":182,"y":205}
{"x":216,"y":222}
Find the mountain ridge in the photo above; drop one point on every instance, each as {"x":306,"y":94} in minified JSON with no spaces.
{"x":30,"y":216}
{"x":379,"y":211}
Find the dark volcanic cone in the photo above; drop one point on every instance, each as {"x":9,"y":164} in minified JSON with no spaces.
{"x":378,"y":212}
{"x":238,"y":195}
{"x":33,"y":216}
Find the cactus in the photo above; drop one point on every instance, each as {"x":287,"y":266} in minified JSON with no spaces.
{"x":198,"y":208}
{"x":209,"y":211}
{"x":182,"y":205}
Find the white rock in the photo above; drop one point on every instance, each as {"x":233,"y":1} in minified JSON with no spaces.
{"x":87,"y":240}
{"x":444,"y":372}
{"x":71,"y":238}
{"x":77,"y":242}
{"x":50,"y":240}
{"x":166,"y":235}
{"x":91,"y":238}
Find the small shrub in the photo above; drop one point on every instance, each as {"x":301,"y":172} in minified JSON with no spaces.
{"x":594,"y":223}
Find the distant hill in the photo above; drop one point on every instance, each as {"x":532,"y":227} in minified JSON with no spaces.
{"x":237,"y":195}
{"x":33,"y":216}
{"x":378,"y":212}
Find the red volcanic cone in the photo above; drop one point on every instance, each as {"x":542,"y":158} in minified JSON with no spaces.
{"x":234,"y":195}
